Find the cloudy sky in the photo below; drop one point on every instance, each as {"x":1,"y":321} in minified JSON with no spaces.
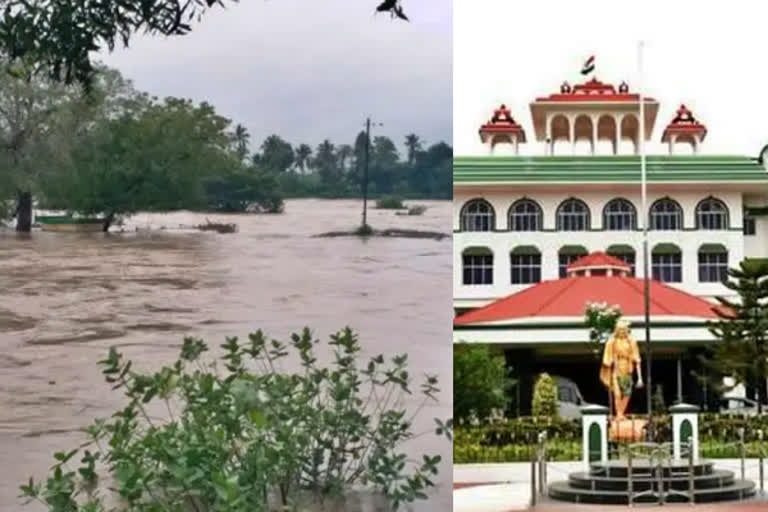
{"x":309,"y":70}
{"x":713,"y":59}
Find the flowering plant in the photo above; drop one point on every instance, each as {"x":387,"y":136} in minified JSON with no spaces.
{"x":601,"y":319}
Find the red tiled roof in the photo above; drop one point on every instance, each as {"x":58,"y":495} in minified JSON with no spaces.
{"x":597,"y":259}
{"x":569,"y":296}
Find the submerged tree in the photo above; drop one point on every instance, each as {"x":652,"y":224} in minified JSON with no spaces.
{"x":41,"y":119}
{"x":741,"y":350}
{"x":156,"y":159}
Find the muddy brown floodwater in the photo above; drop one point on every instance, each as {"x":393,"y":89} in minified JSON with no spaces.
{"x":66,"y":298}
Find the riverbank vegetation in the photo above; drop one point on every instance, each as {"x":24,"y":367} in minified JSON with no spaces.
{"x":116,"y":151}
{"x":244,"y":435}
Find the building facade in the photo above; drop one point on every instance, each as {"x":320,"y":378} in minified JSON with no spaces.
{"x":520,"y":221}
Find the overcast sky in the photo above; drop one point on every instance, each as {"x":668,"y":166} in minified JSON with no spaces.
{"x":309,"y":70}
{"x":713,"y":59}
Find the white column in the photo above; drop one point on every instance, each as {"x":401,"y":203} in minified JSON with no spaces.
{"x":682,"y":413}
{"x":696,"y":142}
{"x":594,"y":415}
{"x":517,"y":144}
{"x":671,"y":146}
{"x":594,"y":134}
{"x":617,"y":148}
{"x":572,"y":134}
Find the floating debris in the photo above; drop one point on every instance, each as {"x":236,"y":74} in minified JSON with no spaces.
{"x":219,"y":227}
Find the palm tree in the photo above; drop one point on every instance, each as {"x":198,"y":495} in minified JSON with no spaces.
{"x":241,"y":139}
{"x":303,"y":155}
{"x":413,"y":143}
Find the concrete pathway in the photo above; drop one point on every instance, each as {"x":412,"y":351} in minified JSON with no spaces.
{"x":507,"y":488}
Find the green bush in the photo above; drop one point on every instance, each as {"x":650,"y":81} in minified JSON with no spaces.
{"x":545,"y":396}
{"x":242,"y":440}
{"x":514,"y":439}
{"x":390,"y":203}
{"x":480,"y":382}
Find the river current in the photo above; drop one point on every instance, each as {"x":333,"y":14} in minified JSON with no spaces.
{"x":66,"y":298}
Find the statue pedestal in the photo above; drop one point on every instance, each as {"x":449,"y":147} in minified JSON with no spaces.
{"x":627,"y":430}
{"x":685,"y":429}
{"x":594,"y":434}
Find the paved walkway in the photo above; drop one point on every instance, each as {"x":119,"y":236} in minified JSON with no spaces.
{"x":507,"y":488}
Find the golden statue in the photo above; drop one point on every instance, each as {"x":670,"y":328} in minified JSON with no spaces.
{"x":620,"y":358}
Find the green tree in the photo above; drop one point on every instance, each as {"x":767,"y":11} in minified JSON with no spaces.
{"x":276,"y":154}
{"x":41,"y":119}
{"x":480,"y":382}
{"x":303,"y":156}
{"x":383,"y":164}
{"x":326,"y":165}
{"x":241,"y":138}
{"x":741,"y":350}
{"x":154,"y":160}
{"x":413,"y":144}
{"x":237,"y":189}
{"x":343,"y":154}
{"x":545,"y":396}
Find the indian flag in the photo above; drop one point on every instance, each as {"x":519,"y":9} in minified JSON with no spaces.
{"x":589,"y":66}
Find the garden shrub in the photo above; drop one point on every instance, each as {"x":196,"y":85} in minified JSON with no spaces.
{"x":248,"y":437}
{"x":545,"y":396}
{"x":514,"y":439}
{"x":480,"y":382}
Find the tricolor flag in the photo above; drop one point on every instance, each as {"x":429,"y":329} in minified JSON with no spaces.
{"x":589,"y":66}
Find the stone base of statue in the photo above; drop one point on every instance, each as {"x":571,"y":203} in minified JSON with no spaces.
{"x":627,"y":430}
{"x":640,"y":472}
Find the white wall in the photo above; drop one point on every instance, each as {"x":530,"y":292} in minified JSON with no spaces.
{"x":549,"y":242}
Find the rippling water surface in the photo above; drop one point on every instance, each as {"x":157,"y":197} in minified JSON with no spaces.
{"x":66,"y":298}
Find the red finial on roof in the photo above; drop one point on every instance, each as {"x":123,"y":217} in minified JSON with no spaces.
{"x":502,"y":123}
{"x":684,"y":123}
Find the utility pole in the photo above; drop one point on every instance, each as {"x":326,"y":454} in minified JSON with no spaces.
{"x":365,"y":170}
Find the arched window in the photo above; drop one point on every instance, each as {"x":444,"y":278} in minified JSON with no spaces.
{"x":477,"y":266}
{"x":666,"y":215}
{"x":525,"y":215}
{"x":477,"y":215}
{"x":525,"y":264}
{"x":667,"y":263}
{"x":573,"y":215}
{"x":711,"y":213}
{"x":625,"y":253}
{"x":619,"y":215}
{"x":713,"y":263}
{"x":567,"y":255}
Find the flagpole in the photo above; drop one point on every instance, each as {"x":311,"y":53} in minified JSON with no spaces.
{"x":646,"y":219}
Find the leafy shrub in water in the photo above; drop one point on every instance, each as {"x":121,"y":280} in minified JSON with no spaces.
{"x":390,"y":203}
{"x":249,"y":437}
{"x":545,"y":396}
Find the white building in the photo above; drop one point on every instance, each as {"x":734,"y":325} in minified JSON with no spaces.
{"x":520,"y":221}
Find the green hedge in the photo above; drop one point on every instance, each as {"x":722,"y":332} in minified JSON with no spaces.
{"x":515,"y":439}
{"x":571,"y":450}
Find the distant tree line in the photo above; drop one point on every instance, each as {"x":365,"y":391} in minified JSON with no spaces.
{"x":336,"y":171}
{"x":115,"y":151}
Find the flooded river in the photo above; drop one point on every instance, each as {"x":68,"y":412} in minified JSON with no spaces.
{"x":66,"y":298}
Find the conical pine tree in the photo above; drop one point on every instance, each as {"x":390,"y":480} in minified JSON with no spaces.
{"x":741,"y":349}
